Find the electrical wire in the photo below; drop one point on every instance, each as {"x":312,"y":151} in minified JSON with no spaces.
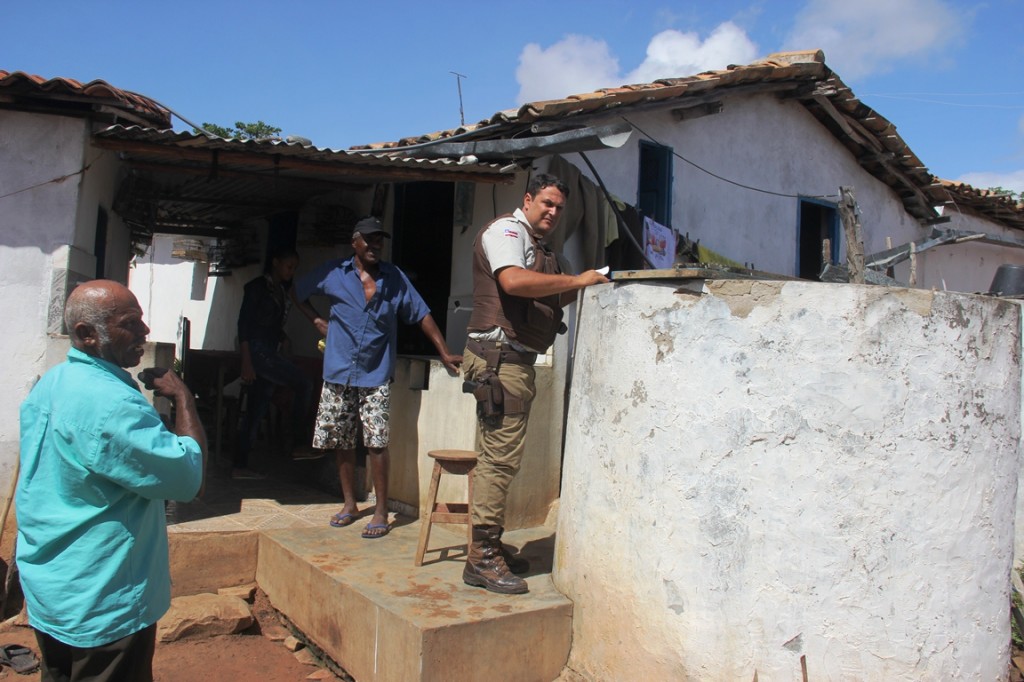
{"x":182,"y":118}
{"x":724,"y":179}
{"x":949,"y":94}
{"x":955,"y":205}
{"x":56,"y":180}
{"x":623,"y":226}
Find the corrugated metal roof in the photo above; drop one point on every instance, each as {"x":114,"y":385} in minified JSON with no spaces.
{"x":163,"y":140}
{"x":187,"y":183}
{"x":63,"y":93}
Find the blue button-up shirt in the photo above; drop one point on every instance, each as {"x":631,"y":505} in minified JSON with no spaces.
{"x":96,"y":466}
{"x":362,"y":336}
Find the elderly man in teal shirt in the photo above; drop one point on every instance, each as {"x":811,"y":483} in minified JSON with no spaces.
{"x":97,"y":463}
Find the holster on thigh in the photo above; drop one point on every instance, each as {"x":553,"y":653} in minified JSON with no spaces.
{"x":493,"y":401}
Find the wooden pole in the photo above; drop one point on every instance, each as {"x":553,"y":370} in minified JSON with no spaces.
{"x":913,"y":266}
{"x":854,"y":237}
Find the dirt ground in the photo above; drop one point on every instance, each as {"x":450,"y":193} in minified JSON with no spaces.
{"x":249,"y":656}
{"x":1016,"y":665}
{"x":245,"y":657}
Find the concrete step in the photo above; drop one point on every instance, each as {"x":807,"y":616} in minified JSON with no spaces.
{"x":362,"y":601}
{"x":382,"y":619}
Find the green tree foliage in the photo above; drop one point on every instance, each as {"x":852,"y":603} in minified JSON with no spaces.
{"x":219,"y":131}
{"x":242,"y":131}
{"x":1006,"y":192}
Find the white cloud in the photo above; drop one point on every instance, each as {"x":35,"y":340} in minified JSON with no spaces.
{"x":579,"y":64}
{"x":672,"y":53}
{"x":1013,"y":180}
{"x":865,"y":37}
{"x":573,"y":65}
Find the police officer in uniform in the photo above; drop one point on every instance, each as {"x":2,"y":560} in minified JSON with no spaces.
{"x":519,"y":289}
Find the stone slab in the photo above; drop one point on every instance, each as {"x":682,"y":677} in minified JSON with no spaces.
{"x":209,"y":561}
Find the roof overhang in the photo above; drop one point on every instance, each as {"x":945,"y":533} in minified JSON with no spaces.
{"x":96,"y":99}
{"x":199,"y":185}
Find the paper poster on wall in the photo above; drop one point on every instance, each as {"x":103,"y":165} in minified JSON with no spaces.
{"x":659,"y":244}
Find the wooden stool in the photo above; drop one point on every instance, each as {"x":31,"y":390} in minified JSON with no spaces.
{"x":456,"y":463}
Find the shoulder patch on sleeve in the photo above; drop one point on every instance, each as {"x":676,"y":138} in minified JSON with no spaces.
{"x":511,"y":232}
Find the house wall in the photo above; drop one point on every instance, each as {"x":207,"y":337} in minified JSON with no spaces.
{"x":1018,"y":532}
{"x":776,"y":145}
{"x":170,"y":289}
{"x":97,"y":190}
{"x":969,"y":266}
{"x":46,"y":246}
{"x":790,"y":469}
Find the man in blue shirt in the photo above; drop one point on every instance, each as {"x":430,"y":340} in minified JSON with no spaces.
{"x":97,"y":464}
{"x":368,"y":299}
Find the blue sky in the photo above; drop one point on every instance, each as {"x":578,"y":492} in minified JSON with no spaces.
{"x":948,"y":73}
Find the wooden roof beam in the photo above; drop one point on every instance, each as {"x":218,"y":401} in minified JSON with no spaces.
{"x":327,"y":185}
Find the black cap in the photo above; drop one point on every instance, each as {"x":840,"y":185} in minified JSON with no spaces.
{"x":370,"y":225}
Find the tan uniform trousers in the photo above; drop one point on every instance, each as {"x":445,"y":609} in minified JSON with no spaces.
{"x":502,"y":447}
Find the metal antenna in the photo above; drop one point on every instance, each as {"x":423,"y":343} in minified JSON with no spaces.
{"x":458,"y":81}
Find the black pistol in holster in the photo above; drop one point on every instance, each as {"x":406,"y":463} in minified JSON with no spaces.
{"x":493,"y":401}
{"x":490,"y":396}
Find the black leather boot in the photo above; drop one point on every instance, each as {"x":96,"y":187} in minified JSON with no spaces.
{"x":515,"y":563}
{"x":485,"y":566}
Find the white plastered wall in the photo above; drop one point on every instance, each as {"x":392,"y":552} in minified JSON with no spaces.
{"x":760,"y":471}
{"x":170,"y":289}
{"x":968,"y":266}
{"x":47,"y":237}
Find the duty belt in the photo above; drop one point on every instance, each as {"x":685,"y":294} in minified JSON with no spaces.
{"x":501,"y":352}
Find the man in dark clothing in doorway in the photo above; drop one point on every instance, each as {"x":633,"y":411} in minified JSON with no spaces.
{"x":261,"y":340}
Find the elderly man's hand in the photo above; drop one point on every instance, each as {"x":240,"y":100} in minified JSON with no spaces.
{"x":169,"y":385}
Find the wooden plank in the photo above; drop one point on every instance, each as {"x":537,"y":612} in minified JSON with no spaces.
{"x":839,"y":274}
{"x":697,"y":272}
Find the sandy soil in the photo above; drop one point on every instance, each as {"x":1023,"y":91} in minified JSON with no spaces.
{"x":246,"y":657}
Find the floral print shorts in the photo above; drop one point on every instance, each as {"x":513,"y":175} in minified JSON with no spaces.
{"x":342,"y":408}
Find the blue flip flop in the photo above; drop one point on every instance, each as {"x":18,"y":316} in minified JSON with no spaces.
{"x":376,"y":530}
{"x":340,"y":520}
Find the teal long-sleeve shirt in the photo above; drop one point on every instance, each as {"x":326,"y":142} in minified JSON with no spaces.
{"x":97,"y":464}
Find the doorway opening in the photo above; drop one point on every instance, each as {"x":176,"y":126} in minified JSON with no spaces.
{"x":422,"y":248}
{"x":818,"y":221}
